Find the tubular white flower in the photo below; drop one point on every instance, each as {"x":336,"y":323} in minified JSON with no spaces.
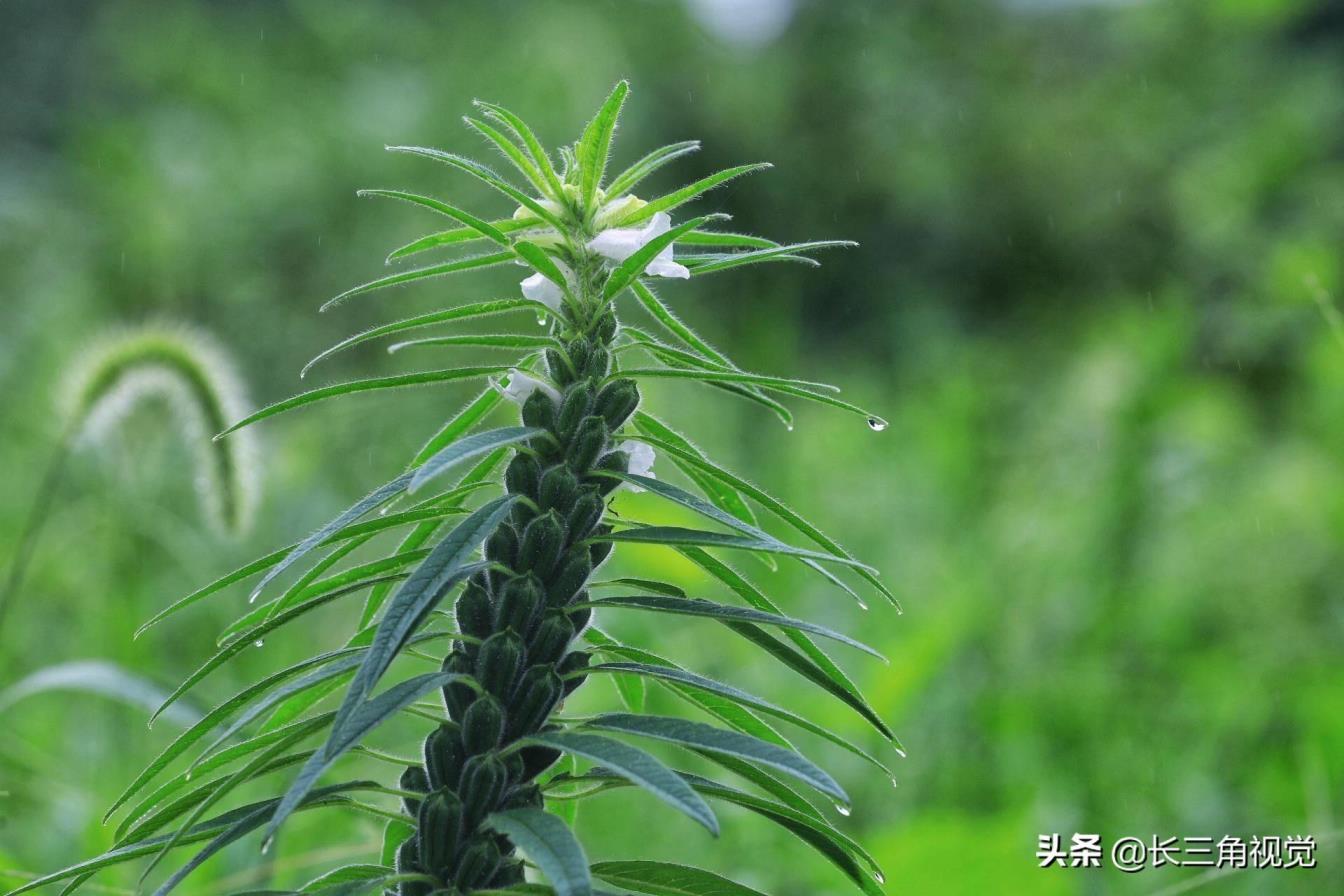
{"x":540,"y":289}
{"x":641,"y":461}
{"x":619,"y":243}
{"x":521,"y":386}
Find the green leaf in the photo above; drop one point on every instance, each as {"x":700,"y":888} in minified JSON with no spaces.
{"x":95,"y":677}
{"x":478,"y":340}
{"x":376,"y":498}
{"x":484,"y":228}
{"x":728,"y":692}
{"x":687,"y":193}
{"x":674,"y":325}
{"x":774,"y":253}
{"x":377,"y":383}
{"x":647,"y":584}
{"x":456,"y":236}
{"x":721,"y":494}
{"x":443,"y":568}
{"x":628,"y":179}
{"x":625,"y":273}
{"x":698,"y":735}
{"x":347,"y":874}
{"x":216,"y":586}
{"x":675,"y":536}
{"x":551,"y":846}
{"x":667,"y":879}
{"x":510,"y":151}
{"x":474,"y":262}
{"x":595,"y":144}
{"x":542,"y":264}
{"x":723,"y":612}
{"x":462,"y":312}
{"x":257,"y":633}
{"x":397,"y":832}
{"x":635,"y":765}
{"x":358,"y":723}
{"x":534,"y":147}
{"x":235,"y":822}
{"x":778,"y":383}
{"x":466,"y":448}
{"x":461,"y":423}
{"x":720,"y":238}
{"x":482,"y":173}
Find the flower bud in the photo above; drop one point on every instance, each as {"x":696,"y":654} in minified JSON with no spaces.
{"x":541,"y":544}
{"x":574,"y":572}
{"x":482,"y":725}
{"x":444,"y":755}
{"x":597,"y":365}
{"x":562,"y":374}
{"x":606,"y":327}
{"x":497,"y":665}
{"x":617,"y":401}
{"x":587,"y":444}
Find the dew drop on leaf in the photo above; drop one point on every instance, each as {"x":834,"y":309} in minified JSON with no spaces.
{"x":876,"y":424}
{"x":842,"y":809}
{"x":879,"y":877}
{"x":788,"y":427}
{"x":258,"y":643}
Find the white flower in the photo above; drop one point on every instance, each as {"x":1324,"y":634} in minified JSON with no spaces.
{"x":521,"y":386}
{"x":640,"y":462}
{"x":619,"y":243}
{"x":539,"y":288}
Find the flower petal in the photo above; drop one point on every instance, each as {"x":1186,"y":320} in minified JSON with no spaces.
{"x":521,"y":386}
{"x":539,"y":289}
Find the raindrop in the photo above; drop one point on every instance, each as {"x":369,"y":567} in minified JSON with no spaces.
{"x":541,"y":318}
{"x":384,"y":510}
{"x":876,"y":424}
{"x":266,"y":845}
{"x":863,"y":605}
{"x":842,"y":809}
{"x":258,"y":643}
{"x":894,"y":782}
{"x":788,"y":427}
{"x":187,"y":776}
{"x":879,"y":876}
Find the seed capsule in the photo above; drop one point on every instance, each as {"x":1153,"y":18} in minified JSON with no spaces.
{"x":478,"y":864}
{"x":617,"y":401}
{"x":615,"y":461}
{"x":539,"y":410}
{"x":538,"y":692}
{"x":560,"y":369}
{"x":574,"y":572}
{"x":444,"y":756}
{"x":540,"y":545}
{"x":597,"y":364}
{"x":502,"y":545}
{"x":599,"y":550}
{"x":585,"y":513}
{"x":498,"y":664}
{"x":457,"y":697}
{"x":519,"y":604}
{"x":483,"y":780}
{"x":439,"y":827}
{"x":552,"y":638}
{"x":482,"y":725}
{"x":473,"y":612}
{"x":574,"y":662}
{"x":414,"y":778}
{"x":557,"y":488}
{"x":523,"y":475}
{"x":589,"y":441}
{"x":574,"y":407}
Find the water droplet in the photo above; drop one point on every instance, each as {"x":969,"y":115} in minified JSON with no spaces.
{"x":187,"y":776}
{"x":894,"y":782}
{"x":253,"y":597}
{"x":876,"y":424}
{"x":788,"y":427}
{"x":383,"y":512}
{"x":842,"y":809}
{"x":862,"y":605}
{"x":266,"y":845}
{"x":541,"y":318}
{"x":258,"y":643}
{"x":879,"y":876}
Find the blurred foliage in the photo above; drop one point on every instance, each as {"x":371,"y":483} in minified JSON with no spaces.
{"x":1093,"y":240}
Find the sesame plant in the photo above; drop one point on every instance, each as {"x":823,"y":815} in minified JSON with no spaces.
{"x":503,"y":537}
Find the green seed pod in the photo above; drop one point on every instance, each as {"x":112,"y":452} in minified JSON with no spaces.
{"x":523,"y":475}
{"x":444,"y":755}
{"x":574,"y":662}
{"x":617,"y":401}
{"x":439,"y":828}
{"x":519,"y":603}
{"x":585,"y":512}
{"x":606,"y":327}
{"x":597,"y":365}
{"x":539,"y":411}
{"x":513,"y":764}
{"x":529,"y":797}
{"x":617,"y":462}
{"x":457,"y":697}
{"x":510,"y":873}
{"x":552,"y":638}
{"x":574,"y":572}
{"x":499,"y":662}
{"x":579,"y":351}
{"x":478,"y":865}
{"x":538,"y":692}
{"x":473,"y":612}
{"x":483,"y":780}
{"x":541,"y":543}
{"x":482,"y":581}
{"x":414,"y":778}
{"x":599,"y":550}
{"x":408,"y":862}
{"x":502,"y":545}
{"x":589,"y":441}
{"x":557,"y":489}
{"x":536,"y":760}
{"x":575,"y":406}
{"x":482,"y":725}
{"x":561,"y":371}
{"x":581,"y":617}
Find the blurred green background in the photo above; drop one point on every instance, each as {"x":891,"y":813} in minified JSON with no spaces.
{"x":1097,"y":239}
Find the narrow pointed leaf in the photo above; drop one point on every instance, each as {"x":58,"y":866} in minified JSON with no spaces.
{"x":466,"y":448}
{"x":630,"y":177}
{"x":675,"y":536}
{"x":484,"y":228}
{"x":774,"y":253}
{"x":635,"y":765}
{"x":481,"y":172}
{"x":595,"y":144}
{"x":551,"y":846}
{"x":781,"y":384}
{"x":472,"y":263}
{"x":511,"y":152}
{"x":668,"y":879}
{"x":534,"y":147}
{"x":686,"y":194}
